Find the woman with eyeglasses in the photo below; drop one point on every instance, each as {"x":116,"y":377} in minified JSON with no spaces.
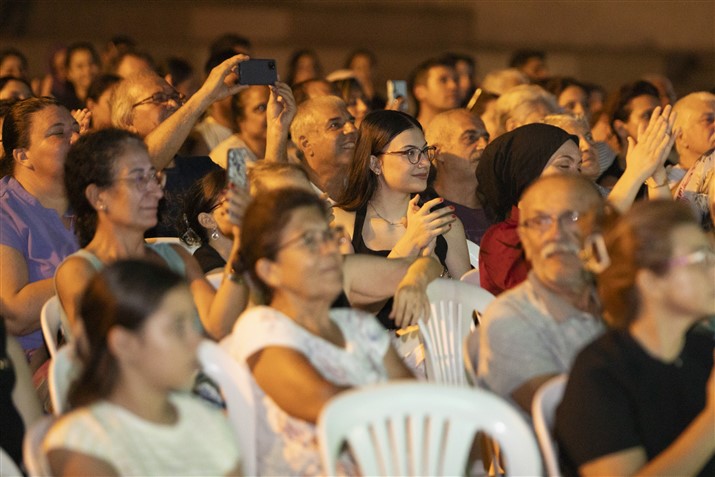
{"x":300,"y":351}
{"x":132,"y":414}
{"x":640,"y":400}
{"x":115,"y":192}
{"x":384,"y":210}
{"x":36,"y":220}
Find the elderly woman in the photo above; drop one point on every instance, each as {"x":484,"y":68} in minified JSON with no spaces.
{"x":130,"y":415}
{"x":382,"y":210}
{"x":115,"y":192}
{"x":299,"y":350}
{"x":641,"y":399}
{"x":36,"y":224}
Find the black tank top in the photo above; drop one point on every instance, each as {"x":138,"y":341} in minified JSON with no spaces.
{"x":359,"y":246}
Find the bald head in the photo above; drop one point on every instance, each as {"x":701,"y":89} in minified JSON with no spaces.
{"x":576,"y":189}
{"x":696,"y":119}
{"x":460,"y":137}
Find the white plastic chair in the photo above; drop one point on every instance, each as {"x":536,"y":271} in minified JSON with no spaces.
{"x":443,"y":334}
{"x":63,"y":370}
{"x":472,"y":277}
{"x":51,"y":323}
{"x":418,"y":428}
{"x":8,"y":467}
{"x":215,"y":279}
{"x":35,"y":459}
{"x":234,"y":379}
{"x":543,"y":410}
{"x":473,"y":249}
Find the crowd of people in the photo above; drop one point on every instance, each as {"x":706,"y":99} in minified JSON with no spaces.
{"x":593,"y":214}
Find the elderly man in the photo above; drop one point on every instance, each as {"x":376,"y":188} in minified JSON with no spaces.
{"x":434,"y":87}
{"x":147,"y":105}
{"x":325,"y":134}
{"x":522,"y":105}
{"x":460,"y":138}
{"x":691,"y":178}
{"x":534,"y":331}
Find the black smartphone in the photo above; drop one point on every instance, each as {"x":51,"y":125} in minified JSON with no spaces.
{"x":236,"y":172}
{"x":257,"y":72}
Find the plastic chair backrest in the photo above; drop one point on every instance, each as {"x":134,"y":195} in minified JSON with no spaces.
{"x":234,"y":379}
{"x":543,"y":410}
{"x":63,"y":370}
{"x":473,"y":250}
{"x":418,"y":428}
{"x":471,"y":297}
{"x":442,"y":336}
{"x":51,"y":323}
{"x":35,"y":459}
{"x":8,"y":467}
{"x":472,"y":276}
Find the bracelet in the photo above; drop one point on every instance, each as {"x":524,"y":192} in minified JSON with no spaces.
{"x":653,"y":185}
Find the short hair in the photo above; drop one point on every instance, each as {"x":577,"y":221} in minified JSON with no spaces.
{"x":418,"y":76}
{"x":557,"y":84}
{"x":179,"y":69}
{"x":376,"y":131}
{"x":228,"y":41}
{"x":441,"y":126}
{"x":100,"y":84}
{"x":619,"y":105}
{"x":263,"y":224}
{"x":360,"y":52}
{"x":17,"y":126}
{"x":79,"y":46}
{"x":300,"y":90}
{"x":91,"y":160}
{"x":218,"y":57}
{"x":123,"y":294}
{"x":499,"y":82}
{"x":304,"y":120}
{"x":259,"y":171}
{"x":640,"y":239}
{"x":293,"y":64}
{"x":113,"y":67}
{"x":520,"y":99}
{"x":4,"y":80}
{"x":454,"y":58}
{"x":238,"y":106}
{"x":124,"y":96}
{"x":521,"y":57}
{"x":566,"y":119}
{"x":8,"y":52}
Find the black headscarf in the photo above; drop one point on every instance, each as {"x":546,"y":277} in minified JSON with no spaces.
{"x":513,"y":161}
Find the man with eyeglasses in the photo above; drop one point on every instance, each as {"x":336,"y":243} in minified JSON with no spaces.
{"x":460,"y":138}
{"x":534,"y":331}
{"x":147,"y":105}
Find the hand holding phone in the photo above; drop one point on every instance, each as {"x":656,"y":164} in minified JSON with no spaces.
{"x":258,"y":71}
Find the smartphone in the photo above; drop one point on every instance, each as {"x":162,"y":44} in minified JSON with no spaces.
{"x":395,"y":89}
{"x":257,"y":72}
{"x":236,"y":160}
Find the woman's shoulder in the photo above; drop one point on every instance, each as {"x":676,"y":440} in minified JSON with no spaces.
{"x":80,"y":429}
{"x":345,"y":219}
{"x":260,"y":327}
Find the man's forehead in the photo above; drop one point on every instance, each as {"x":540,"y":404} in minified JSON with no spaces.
{"x":324,"y":113}
{"x":554,"y":197}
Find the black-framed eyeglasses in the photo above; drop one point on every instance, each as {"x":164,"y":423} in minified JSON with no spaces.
{"x":162,"y":98}
{"x":314,"y":239}
{"x":141,"y":181}
{"x":414,"y":154}
{"x":543,"y":222}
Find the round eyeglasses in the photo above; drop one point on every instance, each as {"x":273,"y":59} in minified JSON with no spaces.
{"x":141,"y":181}
{"x":415,"y":154}
{"x":162,"y":98}
{"x":543,"y":222}
{"x":314,"y":239}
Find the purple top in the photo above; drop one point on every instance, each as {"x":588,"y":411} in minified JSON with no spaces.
{"x":37,"y":233}
{"x":474,"y":220}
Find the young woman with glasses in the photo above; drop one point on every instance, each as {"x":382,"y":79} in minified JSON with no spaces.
{"x":640,"y":400}
{"x":384,"y":210}
{"x":300,"y":351}
{"x":115,"y":192}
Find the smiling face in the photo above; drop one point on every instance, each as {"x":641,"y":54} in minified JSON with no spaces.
{"x":307,"y":268}
{"x":82,"y":69}
{"x":395,"y":171}
{"x":132,"y":200}
{"x":566,"y":160}
{"x":52,"y":133}
{"x":332,"y":139}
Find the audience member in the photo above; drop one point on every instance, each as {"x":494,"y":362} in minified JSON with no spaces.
{"x":98,"y":100}
{"x":303,"y":65}
{"x":351,"y":92}
{"x":115,"y":191}
{"x":433,"y":85}
{"x":325,"y":134}
{"x":82,"y":67}
{"x":460,"y":138}
{"x":131,"y":412}
{"x":300,"y":352}
{"x":522,"y":105}
{"x":14,"y":88}
{"x":363,"y":63}
{"x":576,"y":125}
{"x":313,"y":88}
{"x":131,"y":62}
{"x":534,"y":331}
{"x":231,"y":41}
{"x":499,"y":82}
{"x":13,"y":63}
{"x":508,"y":165}
{"x":666,"y":92}
{"x":530,"y":62}
{"x":181,"y":76}
{"x":466,"y":68}
{"x":36,"y":222}
{"x":640,"y":399}
{"x":382,"y":210}
{"x":571,"y":95}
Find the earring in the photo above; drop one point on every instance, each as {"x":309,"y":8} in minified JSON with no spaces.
{"x":214,"y":234}
{"x":102,"y":207}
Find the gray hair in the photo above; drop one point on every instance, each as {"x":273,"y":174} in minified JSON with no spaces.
{"x":519,"y":102}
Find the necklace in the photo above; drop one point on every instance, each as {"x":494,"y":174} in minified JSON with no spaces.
{"x":394,"y":224}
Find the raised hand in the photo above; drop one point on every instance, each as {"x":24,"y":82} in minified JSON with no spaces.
{"x":424,"y":224}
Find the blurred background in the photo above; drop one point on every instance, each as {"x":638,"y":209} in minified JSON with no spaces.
{"x":606,"y":42}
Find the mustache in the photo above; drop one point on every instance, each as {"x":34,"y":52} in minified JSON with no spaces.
{"x":552,"y":248}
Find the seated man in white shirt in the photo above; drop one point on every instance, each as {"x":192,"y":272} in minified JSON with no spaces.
{"x":534,"y":331}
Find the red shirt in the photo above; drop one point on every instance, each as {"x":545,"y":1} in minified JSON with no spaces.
{"x":502,"y":264}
